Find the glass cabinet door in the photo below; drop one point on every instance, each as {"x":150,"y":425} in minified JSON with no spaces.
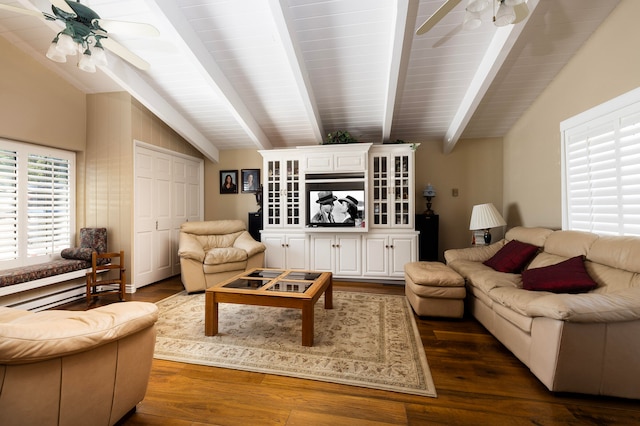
{"x":292,"y":194}
{"x":283,"y":193}
{"x":391,"y":190}
{"x":274,"y":192}
{"x":401,"y":190}
{"x":380,"y":182}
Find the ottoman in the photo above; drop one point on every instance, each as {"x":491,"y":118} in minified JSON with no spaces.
{"x":435,"y":290}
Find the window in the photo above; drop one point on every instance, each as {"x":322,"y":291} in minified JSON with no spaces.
{"x":37,"y":204}
{"x":601,"y":168}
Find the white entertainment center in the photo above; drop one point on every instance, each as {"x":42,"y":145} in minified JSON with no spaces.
{"x":379,"y":248}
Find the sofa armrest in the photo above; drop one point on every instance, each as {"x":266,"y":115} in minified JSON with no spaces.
{"x":37,"y":336}
{"x":622,"y":305}
{"x":246,"y":242}
{"x":476,"y":254}
{"x":190,"y":248}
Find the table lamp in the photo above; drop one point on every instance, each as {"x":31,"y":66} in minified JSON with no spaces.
{"x":429,"y":193}
{"x":485,"y":216}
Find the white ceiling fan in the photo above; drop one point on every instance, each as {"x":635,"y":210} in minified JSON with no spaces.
{"x":87,"y":34}
{"x":505,"y":12}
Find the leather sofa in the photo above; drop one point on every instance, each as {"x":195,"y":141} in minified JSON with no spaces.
{"x":75,"y":367}
{"x":584,"y":342}
{"x":212,"y":251}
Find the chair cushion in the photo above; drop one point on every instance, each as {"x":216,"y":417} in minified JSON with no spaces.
{"x":94,"y":238}
{"x":513,"y":257}
{"x":220,"y":255}
{"x":78,"y":253}
{"x":569,"y":276}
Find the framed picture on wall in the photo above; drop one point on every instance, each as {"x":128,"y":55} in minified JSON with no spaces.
{"x":228,"y":181}
{"x":250,"y":180}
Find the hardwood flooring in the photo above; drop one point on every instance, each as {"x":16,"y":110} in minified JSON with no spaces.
{"x":478,"y":382}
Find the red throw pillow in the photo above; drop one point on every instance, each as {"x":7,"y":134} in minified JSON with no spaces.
{"x":513,"y":257}
{"x":569,"y":276}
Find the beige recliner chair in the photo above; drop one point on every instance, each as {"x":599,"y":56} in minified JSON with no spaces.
{"x":75,"y":367}
{"x":212,"y":251}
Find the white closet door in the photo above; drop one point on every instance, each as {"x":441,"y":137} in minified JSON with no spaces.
{"x":187,"y":200}
{"x":168,"y":192}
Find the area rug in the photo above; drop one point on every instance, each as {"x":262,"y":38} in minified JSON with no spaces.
{"x":366,"y":340}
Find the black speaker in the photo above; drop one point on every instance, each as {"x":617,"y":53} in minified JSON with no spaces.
{"x":255,"y":224}
{"x":428,"y":227}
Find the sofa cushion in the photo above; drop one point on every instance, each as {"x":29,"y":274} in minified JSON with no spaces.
{"x":569,"y":276}
{"x":217,"y":256}
{"x":621,"y":252}
{"x":54,"y":333}
{"x":434,"y":274}
{"x":535,"y":236}
{"x":516,"y":299}
{"x":513,"y":257}
{"x":569,"y":243}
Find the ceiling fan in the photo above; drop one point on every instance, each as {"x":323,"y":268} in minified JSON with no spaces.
{"x":505,"y":12}
{"x":87,"y":34}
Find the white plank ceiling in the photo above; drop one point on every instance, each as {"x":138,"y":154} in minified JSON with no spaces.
{"x":235,"y":74}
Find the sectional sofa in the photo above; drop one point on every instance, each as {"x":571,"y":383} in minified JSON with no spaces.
{"x":573,"y":334}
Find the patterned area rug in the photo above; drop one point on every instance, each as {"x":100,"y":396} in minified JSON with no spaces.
{"x":367,"y":340}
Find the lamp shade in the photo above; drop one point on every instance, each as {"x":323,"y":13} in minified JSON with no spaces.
{"x":485,"y":216}
{"x":429,"y":191}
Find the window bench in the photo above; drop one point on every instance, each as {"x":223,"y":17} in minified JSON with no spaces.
{"x":10,"y":277}
{"x":17,"y":284}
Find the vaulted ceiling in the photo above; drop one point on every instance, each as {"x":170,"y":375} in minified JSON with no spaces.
{"x":236,"y":74}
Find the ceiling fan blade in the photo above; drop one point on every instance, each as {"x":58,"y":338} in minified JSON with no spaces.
{"x":437,"y":16}
{"x":125,"y":53}
{"x":23,"y":11}
{"x":129,"y":28}
{"x":62,"y":5}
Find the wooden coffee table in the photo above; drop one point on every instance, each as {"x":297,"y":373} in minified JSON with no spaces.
{"x":283,"y":288}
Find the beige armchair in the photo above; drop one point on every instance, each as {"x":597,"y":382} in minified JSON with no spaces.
{"x":75,"y":367}
{"x":212,"y":251}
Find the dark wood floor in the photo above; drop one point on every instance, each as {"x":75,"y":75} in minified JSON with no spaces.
{"x":478,"y":381}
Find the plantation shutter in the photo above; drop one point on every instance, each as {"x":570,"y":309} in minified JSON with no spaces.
{"x":48,"y":205}
{"x":602,"y":173}
{"x":8,"y":205}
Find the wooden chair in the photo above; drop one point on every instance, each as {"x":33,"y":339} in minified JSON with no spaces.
{"x":106,"y":262}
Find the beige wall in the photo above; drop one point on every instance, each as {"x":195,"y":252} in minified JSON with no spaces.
{"x":229,"y":206}
{"x":36,"y":105}
{"x":107,"y":169}
{"x":114,"y":121}
{"x":607,"y":66}
{"x":474,"y":168}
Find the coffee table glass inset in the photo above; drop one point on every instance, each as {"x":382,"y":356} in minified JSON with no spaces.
{"x":271,"y":287}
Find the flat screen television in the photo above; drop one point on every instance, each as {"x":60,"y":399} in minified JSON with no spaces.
{"x":335,"y":204}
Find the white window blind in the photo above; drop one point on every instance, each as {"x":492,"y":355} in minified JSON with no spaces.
{"x":601,"y":168}
{"x":48,"y":205}
{"x":37,"y":203}
{"x":8,"y":205}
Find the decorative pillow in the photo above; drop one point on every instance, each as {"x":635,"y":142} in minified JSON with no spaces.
{"x":78,"y":253}
{"x":513,"y":257}
{"x":569,"y":276}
